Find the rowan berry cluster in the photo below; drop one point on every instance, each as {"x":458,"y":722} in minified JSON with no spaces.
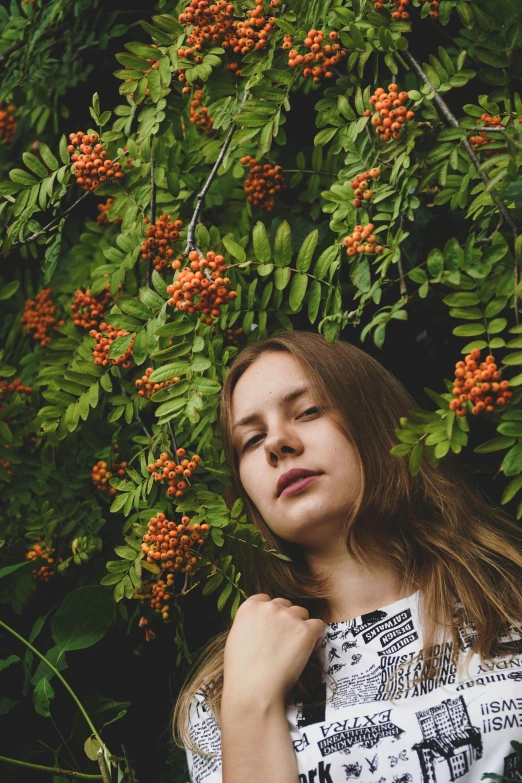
{"x":434,"y":13}
{"x":101,"y":349}
{"x":168,"y":544}
{"x":208,"y":22}
{"x":15,"y":386}
{"x":400,"y":7}
{"x":263,"y":183}
{"x":101,"y":474}
{"x":91,"y":166}
{"x":232,"y":336}
{"x":148,"y":389}
{"x":103,"y":217}
{"x":158,"y":246}
{"x":479,"y":384}
{"x":483,"y":138}
{"x":88,"y":311}
{"x":199,"y":115}
{"x":361,"y":186}
{"x":389,"y":114}
{"x":165,"y":468}
{"x":7,"y":122}
{"x":194,"y":289}
{"x":253,"y":32}
{"x":321,"y":57}
{"x":38,"y":316}
{"x":362,"y":241}
{"x":45,"y":572}
{"x":161,"y":596}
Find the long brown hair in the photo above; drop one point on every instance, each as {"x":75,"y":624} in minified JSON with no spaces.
{"x":441,"y":534}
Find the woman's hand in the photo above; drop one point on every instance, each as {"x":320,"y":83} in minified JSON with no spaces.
{"x":267,"y":648}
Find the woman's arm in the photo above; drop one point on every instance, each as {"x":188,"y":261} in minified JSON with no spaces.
{"x":256,"y":743}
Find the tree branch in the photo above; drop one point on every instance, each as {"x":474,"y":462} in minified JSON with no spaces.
{"x":152,"y":215}
{"x":200,"y":198}
{"x":56,"y":219}
{"x":67,"y":773}
{"x":105,"y":773}
{"x":448,"y":114}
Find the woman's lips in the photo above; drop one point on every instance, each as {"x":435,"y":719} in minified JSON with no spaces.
{"x":297,"y":486}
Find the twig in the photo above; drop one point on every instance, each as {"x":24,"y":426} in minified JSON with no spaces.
{"x":494,"y":129}
{"x":37,"y":234}
{"x":200,"y":198}
{"x":443,"y":106}
{"x":67,"y":773}
{"x":488,"y":239}
{"x":152,"y":215}
{"x":174,"y":445}
{"x":476,"y":162}
{"x":105,"y":773}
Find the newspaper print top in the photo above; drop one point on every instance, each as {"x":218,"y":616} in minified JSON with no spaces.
{"x":453,"y":727}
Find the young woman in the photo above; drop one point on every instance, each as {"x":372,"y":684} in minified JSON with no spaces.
{"x":383,"y":644}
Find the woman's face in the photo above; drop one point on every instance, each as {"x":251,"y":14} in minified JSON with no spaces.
{"x":285,"y":431}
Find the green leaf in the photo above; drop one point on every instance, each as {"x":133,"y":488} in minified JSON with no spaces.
{"x":461,"y":299}
{"x":469,"y":330}
{"x":495,"y":444}
{"x":325,"y":261}
{"x":261,"y":243}
{"x":7,"y":570}
{"x":151,"y":299}
{"x":234,"y":249}
{"x":297,"y":290}
{"x":47,"y":156}
{"x":306,"y":251}
{"x":416,"y":457}
{"x":123,"y":322}
{"x":139,"y":348}
{"x":159,"y":283}
{"x":169,"y":371}
{"x":324,"y":136}
{"x":513,"y":358}
{"x":357,"y":36}
{"x":83,"y":618}
{"x":144,"y":50}
{"x":134,"y":307}
{"x":154,"y":84}
{"x":8,"y":290}
{"x":283,"y":244}
{"x":119,"y":346}
{"x":23,"y":177}
{"x":205,"y":386}
{"x":282,"y":277}
{"x":512,"y":462}
{"x":510,"y":428}
{"x":42,"y":696}
{"x":32,"y":162}
{"x":511,"y":489}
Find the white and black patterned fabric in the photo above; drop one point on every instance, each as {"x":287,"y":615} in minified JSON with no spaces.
{"x":452,"y":728}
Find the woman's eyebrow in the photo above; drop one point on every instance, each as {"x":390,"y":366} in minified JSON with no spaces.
{"x":284,"y":400}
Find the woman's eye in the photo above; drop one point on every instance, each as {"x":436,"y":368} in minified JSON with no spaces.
{"x":252,"y":440}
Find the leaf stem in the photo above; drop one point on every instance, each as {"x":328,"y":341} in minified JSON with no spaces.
{"x":60,"y":677}
{"x":68,"y":773}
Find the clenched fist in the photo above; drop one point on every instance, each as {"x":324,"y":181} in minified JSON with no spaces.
{"x":267,"y":648}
